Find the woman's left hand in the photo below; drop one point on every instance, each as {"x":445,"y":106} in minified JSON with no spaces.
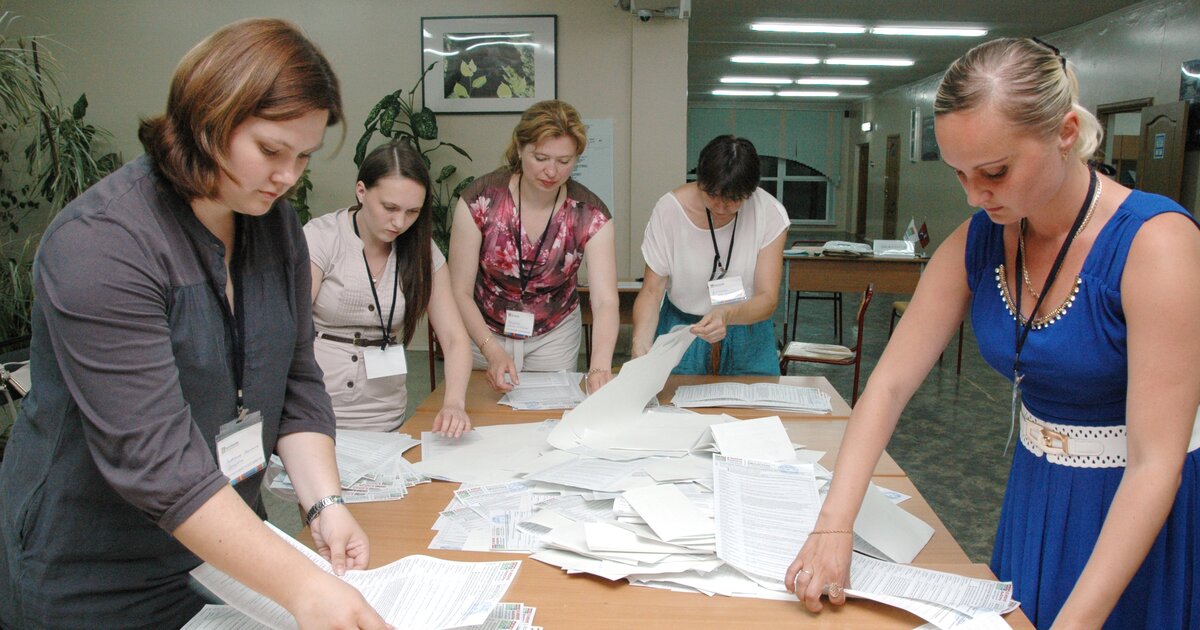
{"x":340,"y":540}
{"x":597,"y":379}
{"x":711,"y":327}
{"x":452,"y":421}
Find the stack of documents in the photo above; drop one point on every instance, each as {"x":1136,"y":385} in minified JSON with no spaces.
{"x":762,"y":395}
{"x":545,"y":390}
{"x":416,"y":592}
{"x":371,"y":466}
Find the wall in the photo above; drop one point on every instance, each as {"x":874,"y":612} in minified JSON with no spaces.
{"x":609,"y":65}
{"x":1129,"y":54}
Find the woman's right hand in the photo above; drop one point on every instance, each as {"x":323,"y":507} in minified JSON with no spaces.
{"x":499,"y":364}
{"x":331,"y":603}
{"x":821,"y":568}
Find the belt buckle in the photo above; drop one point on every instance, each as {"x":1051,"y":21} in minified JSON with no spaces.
{"x":1055,"y":440}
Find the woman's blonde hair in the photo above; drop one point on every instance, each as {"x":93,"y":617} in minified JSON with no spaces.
{"x":1028,"y":81}
{"x":546,"y":119}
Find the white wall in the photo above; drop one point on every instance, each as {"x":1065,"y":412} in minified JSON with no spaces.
{"x":609,"y":65}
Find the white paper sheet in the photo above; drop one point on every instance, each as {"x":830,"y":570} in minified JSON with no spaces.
{"x":545,"y":390}
{"x":484,"y":455}
{"x":761,"y":395}
{"x":762,"y":439}
{"x":670,"y":513}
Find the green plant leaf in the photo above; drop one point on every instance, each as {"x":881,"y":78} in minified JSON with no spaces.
{"x":387,"y":118}
{"x":360,"y":150}
{"x":79,"y":109}
{"x":424,"y":124}
{"x":462,"y":186}
{"x":466,"y":68}
{"x":447,"y":171}
{"x":479,"y":82}
{"x":459,"y":91}
{"x":503,"y":91}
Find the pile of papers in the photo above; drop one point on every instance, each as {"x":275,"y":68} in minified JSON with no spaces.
{"x":417,"y":593}
{"x":761,"y":395}
{"x":545,"y":390}
{"x":371,"y":466}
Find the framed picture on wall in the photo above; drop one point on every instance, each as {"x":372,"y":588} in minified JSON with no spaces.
{"x":488,"y":65}
{"x":914,"y":135}
{"x":929,"y":147}
{"x":1189,"y":92}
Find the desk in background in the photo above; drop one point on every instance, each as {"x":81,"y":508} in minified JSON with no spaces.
{"x":804,"y":270}
{"x":400,"y":528}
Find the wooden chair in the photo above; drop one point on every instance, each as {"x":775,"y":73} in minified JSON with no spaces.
{"x":796,"y":296}
{"x":832,"y":354}
{"x":898,"y":308}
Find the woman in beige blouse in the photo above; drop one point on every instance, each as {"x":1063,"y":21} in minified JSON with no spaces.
{"x":375,"y":272}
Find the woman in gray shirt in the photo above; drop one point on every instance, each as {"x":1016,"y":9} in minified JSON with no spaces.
{"x":172,"y":298}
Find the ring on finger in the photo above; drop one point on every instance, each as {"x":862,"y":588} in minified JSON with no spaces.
{"x":833,"y":590}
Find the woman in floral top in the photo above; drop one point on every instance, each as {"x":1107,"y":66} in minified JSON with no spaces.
{"x":517,"y":293}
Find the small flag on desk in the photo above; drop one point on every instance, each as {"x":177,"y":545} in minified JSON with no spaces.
{"x":910,"y":233}
{"x":923,"y":234}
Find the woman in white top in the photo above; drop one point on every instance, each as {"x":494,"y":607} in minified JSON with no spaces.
{"x":375,"y":271}
{"x":714,"y":248}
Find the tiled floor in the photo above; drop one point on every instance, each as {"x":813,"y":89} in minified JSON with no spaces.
{"x":950,"y":440}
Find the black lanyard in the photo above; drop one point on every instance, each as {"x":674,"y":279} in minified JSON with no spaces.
{"x":1022,"y":330}
{"x":520,"y":238}
{"x":235,"y":324}
{"x":387,"y":330}
{"x":724,"y":268}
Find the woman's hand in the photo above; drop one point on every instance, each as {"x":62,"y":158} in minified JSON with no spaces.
{"x":821,"y":568}
{"x":340,"y":540}
{"x":711,"y":327}
{"x":499,"y":364}
{"x":332,"y":603}
{"x":596,"y":379}
{"x":452,"y":421}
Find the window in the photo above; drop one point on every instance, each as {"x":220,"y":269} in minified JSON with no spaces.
{"x":802,"y":190}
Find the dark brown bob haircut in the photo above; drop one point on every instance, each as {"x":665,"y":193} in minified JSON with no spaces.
{"x":256,"y":67}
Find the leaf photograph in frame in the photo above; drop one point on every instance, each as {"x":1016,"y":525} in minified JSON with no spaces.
{"x":488,"y":65}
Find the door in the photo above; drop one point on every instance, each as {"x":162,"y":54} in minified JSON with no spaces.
{"x":1164,"y":135}
{"x":891,"y":187}
{"x":860,"y":215}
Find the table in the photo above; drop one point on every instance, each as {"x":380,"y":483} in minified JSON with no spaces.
{"x":401,"y":528}
{"x":808,"y":271}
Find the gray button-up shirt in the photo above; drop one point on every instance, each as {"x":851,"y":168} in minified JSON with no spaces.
{"x":132,"y":369}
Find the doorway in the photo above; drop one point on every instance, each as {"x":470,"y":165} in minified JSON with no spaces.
{"x":860,"y":213}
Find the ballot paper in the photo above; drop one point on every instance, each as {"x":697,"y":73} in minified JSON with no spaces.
{"x":764,"y":512}
{"x":672,"y":516}
{"x":623,"y":398}
{"x":416,"y":592}
{"x":760,"y":395}
{"x":945,"y":600}
{"x":886,"y":531}
{"x":485,"y":454}
{"x":761,"y":439}
{"x":220,"y":617}
{"x":545,"y":390}
{"x":371,"y":466}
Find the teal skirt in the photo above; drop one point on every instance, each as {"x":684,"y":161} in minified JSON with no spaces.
{"x":747,"y":348}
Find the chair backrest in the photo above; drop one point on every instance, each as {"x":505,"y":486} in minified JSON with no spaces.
{"x":862,"y":316}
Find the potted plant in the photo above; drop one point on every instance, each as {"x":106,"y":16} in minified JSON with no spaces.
{"x":396,"y":116}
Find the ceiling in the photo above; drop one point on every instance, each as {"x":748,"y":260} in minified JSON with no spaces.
{"x":719,"y":29}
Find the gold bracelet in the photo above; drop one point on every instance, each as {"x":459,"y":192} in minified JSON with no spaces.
{"x":598,"y":371}
{"x":485,"y":342}
{"x":818,"y":532}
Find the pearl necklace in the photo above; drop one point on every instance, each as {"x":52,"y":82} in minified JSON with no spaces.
{"x":1021,"y":238}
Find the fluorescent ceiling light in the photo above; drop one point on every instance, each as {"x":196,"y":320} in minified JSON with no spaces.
{"x":757,"y":80}
{"x":867,"y":61}
{"x":776,"y":59}
{"x":929,"y":31}
{"x":806,"y":93}
{"x":808,"y":27}
{"x":830,"y":81}
{"x":743,"y":93}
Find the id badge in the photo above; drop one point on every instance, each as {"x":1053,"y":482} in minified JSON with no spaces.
{"x":726,"y":290}
{"x":382,"y":362}
{"x":240,"y":448}
{"x":518,"y":324}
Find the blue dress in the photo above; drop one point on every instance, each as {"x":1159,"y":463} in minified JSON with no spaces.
{"x":747,"y":348}
{"x":1076,"y":374}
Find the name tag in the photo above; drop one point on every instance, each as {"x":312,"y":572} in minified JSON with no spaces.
{"x":240,"y":448}
{"x":381,"y":363}
{"x":518,"y":324}
{"x":726,"y":290}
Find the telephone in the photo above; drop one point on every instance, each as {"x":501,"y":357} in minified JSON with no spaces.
{"x":845,"y":248}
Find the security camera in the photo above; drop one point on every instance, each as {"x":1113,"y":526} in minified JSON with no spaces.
{"x":644,"y":15}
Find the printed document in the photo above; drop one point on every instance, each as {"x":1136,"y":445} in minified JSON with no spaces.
{"x":762,"y":395}
{"x":545,"y":390}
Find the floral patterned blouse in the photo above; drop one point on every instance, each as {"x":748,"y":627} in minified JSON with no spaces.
{"x":551,"y":277}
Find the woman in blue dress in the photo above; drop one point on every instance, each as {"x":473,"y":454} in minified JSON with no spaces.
{"x":1100,"y":525}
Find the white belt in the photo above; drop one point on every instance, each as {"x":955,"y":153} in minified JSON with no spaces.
{"x":1082,"y":446}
